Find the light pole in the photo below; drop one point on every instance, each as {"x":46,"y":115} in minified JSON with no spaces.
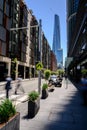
{"x":40,"y":50}
{"x":21,"y":28}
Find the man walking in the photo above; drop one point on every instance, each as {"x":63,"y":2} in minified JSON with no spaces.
{"x":8,"y":85}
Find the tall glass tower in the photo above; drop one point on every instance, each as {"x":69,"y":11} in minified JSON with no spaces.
{"x":56,"y":42}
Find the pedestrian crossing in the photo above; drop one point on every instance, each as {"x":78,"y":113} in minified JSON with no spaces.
{"x":16,"y":99}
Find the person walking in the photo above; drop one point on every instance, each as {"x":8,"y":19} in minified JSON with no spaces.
{"x":66,"y":79}
{"x":84,"y":89}
{"x":19,"y":85}
{"x":8,"y":85}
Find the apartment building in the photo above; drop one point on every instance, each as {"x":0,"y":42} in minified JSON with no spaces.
{"x":5,"y":61}
{"x":23,"y":43}
{"x":34,"y":44}
{"x":46,"y":50}
{"x":13,"y":41}
{"x":53,"y":62}
{"x":19,"y":41}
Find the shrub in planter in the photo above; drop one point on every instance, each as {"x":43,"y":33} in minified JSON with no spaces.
{"x":44,"y":91}
{"x":33,"y":103}
{"x":7,"y":112}
{"x":47,"y":74}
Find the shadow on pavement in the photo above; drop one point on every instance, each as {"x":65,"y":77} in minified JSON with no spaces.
{"x":62,"y":110}
{"x":69,"y":114}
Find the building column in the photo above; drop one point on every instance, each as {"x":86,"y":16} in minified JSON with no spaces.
{"x":16,"y":75}
{"x":30,"y":73}
{"x":24,"y":71}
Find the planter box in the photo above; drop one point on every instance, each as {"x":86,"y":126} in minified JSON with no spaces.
{"x":33,"y":107}
{"x":12,"y":124}
{"x":44,"y":93}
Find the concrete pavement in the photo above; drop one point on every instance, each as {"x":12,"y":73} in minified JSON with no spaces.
{"x":62,"y":110}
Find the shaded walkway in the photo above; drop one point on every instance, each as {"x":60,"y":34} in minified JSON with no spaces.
{"x":62,"y":110}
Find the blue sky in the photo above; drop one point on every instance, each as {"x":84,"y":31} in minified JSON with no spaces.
{"x":45,"y":10}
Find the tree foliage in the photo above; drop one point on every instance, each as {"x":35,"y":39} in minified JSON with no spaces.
{"x":47,"y":74}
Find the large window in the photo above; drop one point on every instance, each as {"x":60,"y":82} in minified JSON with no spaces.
{"x":1,"y":4}
{"x":1,"y":17}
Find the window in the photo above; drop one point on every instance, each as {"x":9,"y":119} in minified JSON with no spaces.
{"x":1,"y":4}
{"x":1,"y":17}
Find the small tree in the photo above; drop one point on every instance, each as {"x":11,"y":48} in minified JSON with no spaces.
{"x":14,"y":72}
{"x":47,"y":74}
{"x":60,"y":72}
{"x":53,"y":73}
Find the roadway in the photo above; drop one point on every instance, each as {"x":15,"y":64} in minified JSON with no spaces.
{"x":28,"y":86}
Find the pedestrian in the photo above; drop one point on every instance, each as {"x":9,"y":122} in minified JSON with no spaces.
{"x":8,"y":85}
{"x":66,"y":79}
{"x":65,"y":76}
{"x":19,"y":85}
{"x":84,"y":89}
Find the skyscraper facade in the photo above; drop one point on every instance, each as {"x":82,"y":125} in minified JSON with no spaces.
{"x":56,"y":42}
{"x":72,"y":6}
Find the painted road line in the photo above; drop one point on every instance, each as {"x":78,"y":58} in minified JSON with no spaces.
{"x":2,"y":95}
{"x":13,"y":97}
{"x":23,"y":98}
{"x":20,"y":100}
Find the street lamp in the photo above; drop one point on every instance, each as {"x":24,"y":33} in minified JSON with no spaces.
{"x":21,"y":28}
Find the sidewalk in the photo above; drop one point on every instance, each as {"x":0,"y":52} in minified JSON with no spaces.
{"x":62,"y":110}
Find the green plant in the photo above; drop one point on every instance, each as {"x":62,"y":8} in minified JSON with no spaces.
{"x":84,"y":72}
{"x":7,"y":110}
{"x":45,"y":86}
{"x":36,"y":73}
{"x":53,"y":73}
{"x":33,"y":96}
{"x":47,"y":74}
{"x":60,"y":72}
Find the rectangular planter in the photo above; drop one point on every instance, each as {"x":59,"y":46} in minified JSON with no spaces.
{"x":33,"y":107}
{"x":12,"y":124}
{"x":44,"y":93}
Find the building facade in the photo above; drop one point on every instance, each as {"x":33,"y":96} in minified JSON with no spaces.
{"x":53,"y":62}
{"x":19,"y":41}
{"x":78,"y":43}
{"x":72,"y":6}
{"x":56,"y":42}
{"x":5,"y":61}
{"x":46,"y":50}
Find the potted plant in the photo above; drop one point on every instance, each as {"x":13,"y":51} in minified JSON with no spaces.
{"x":9,"y":118}
{"x":47,"y":74}
{"x":33,"y":103}
{"x":84,"y":72}
{"x":44,"y":91}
